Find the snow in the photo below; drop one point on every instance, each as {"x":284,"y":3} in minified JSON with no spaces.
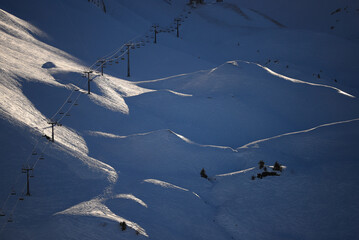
{"x":245,"y":81}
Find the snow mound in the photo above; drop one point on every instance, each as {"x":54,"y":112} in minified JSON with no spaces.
{"x":48,"y":65}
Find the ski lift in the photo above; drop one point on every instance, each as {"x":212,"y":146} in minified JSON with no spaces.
{"x":34,"y":153}
{"x":76,"y":103}
{"x":41,"y":157}
{"x":76,"y":90}
{"x":69,"y":101}
{"x":68,"y":115}
{"x":10,"y":219}
{"x":2,"y":213}
{"x":61,"y":113}
{"x":116,"y":62}
{"x":13,"y":192}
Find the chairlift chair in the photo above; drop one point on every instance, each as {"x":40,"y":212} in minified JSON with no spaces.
{"x":116,"y":62}
{"x":61,"y":113}
{"x":34,"y":153}
{"x":41,"y":157}
{"x":13,"y":192}
{"x":69,"y":101}
{"x":10,"y":219}
{"x":76,"y":103}
{"x":68,"y":115}
{"x":2,"y":213}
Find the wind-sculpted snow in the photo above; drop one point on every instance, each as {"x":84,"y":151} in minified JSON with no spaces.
{"x":235,"y":88}
{"x":131,"y":197}
{"x":96,"y":208}
{"x":164,"y":184}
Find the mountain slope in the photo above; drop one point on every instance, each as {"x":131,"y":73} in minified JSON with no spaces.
{"x":243,"y":83}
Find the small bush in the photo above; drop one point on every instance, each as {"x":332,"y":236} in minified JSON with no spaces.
{"x":203,"y":173}
{"x":261,"y":164}
{"x":277,"y":167}
{"x":123,"y":225}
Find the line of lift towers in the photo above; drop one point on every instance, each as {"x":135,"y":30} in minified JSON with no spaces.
{"x":101,"y":63}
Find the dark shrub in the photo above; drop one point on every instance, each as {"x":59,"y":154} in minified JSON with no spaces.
{"x":261,"y":164}
{"x":123,"y":225}
{"x":277,"y":167}
{"x":203,"y":173}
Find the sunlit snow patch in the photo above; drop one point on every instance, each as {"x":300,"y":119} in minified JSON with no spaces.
{"x":96,"y":208}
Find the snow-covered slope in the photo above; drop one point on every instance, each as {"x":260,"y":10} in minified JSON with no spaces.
{"x":245,"y":81}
